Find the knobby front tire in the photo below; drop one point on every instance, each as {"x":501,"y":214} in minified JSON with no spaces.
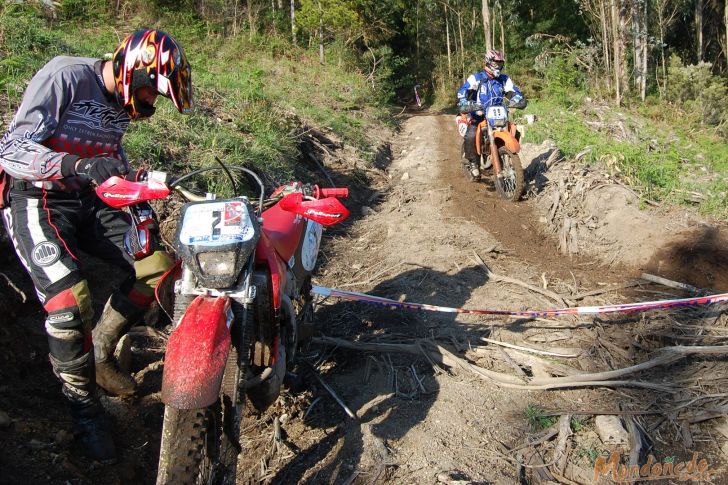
{"x":187,"y":441}
{"x":509,"y":184}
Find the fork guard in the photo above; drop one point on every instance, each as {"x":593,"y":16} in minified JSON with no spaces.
{"x":196,"y":355}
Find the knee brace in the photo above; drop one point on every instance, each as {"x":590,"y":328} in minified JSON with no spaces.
{"x":148,"y":273}
{"x":68,"y":323}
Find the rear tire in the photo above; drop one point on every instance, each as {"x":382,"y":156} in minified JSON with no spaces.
{"x":509,"y":182}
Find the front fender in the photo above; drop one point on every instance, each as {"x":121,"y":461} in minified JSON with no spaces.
{"x":196,"y":355}
{"x":507,"y":140}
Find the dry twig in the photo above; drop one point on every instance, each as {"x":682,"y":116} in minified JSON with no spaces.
{"x":508,"y":279}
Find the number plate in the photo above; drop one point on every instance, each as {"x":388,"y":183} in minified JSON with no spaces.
{"x":497,"y":113}
{"x":216,"y":224}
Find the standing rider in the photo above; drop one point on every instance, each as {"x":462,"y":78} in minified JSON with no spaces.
{"x":65,"y":139}
{"x":488,"y":87}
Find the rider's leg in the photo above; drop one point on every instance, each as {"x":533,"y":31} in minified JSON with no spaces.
{"x":43,"y":233}
{"x":126,"y":306}
{"x":470,"y":151}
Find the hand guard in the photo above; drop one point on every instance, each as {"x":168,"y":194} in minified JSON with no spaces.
{"x":99,"y":169}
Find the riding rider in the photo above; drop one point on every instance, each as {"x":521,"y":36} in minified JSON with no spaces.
{"x":65,"y":139}
{"x":488,"y":87}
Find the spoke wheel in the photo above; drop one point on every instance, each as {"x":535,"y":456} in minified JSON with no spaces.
{"x":509,"y":182}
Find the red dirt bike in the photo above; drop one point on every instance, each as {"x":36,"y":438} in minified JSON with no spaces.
{"x":242,"y":309}
{"x":497,"y":141}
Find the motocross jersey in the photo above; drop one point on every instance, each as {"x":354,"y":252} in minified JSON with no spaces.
{"x":66,"y":111}
{"x":489,"y":91}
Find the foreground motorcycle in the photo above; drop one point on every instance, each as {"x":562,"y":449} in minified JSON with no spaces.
{"x":242,"y":309}
{"x":497,"y":142}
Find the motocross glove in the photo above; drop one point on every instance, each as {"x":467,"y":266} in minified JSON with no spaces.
{"x":463,"y":105}
{"x":98,"y":169}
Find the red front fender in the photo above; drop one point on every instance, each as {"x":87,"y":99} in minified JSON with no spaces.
{"x":196,"y":354}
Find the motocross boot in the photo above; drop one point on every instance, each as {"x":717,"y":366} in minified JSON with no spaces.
{"x":115,"y":320}
{"x":89,"y":420}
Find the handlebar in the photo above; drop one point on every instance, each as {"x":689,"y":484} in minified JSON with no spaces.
{"x":335,"y":192}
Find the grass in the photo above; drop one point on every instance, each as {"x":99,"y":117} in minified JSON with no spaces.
{"x":537,"y":418}
{"x":660,"y":157}
{"x":252,"y":98}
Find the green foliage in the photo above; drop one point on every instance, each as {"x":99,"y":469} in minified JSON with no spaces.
{"x":663,"y":161}
{"x":82,"y":9}
{"x":25,"y":45}
{"x":703,"y":96}
{"x":577,"y":423}
{"x":336,"y":16}
{"x":537,"y":418}
{"x":590,"y":453}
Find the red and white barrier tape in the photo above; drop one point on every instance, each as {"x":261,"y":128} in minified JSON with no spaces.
{"x":584,"y":310}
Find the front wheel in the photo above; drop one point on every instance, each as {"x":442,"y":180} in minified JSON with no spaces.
{"x":201,"y":446}
{"x":509,"y":182}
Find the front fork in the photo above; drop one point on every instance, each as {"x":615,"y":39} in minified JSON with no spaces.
{"x":494,"y":156}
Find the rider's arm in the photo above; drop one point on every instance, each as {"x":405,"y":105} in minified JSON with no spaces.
{"x":470,"y":84}
{"x":510,"y":87}
{"x":22,"y":154}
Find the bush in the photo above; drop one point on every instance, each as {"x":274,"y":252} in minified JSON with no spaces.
{"x":697,"y":91}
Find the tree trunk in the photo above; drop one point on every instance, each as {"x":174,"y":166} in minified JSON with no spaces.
{"x":321,"y":33}
{"x":251,"y":21}
{"x":486,"y":25}
{"x":462,"y":44}
{"x":605,"y":43}
{"x":725,"y":22}
{"x":447,"y":39}
{"x":293,"y":21}
{"x":417,"y":35}
{"x":502,"y":29}
{"x":614,"y":9}
{"x":645,"y":33}
{"x":699,"y":28}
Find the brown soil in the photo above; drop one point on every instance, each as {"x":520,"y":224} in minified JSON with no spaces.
{"x":414,"y":234}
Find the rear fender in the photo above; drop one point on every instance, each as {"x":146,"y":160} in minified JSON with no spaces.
{"x":196,"y":354}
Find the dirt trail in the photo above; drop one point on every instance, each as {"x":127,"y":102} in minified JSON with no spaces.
{"x":414,"y":236}
{"x":418,"y":243}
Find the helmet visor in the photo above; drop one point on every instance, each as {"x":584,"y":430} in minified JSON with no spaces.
{"x":180,"y":83}
{"x":496,"y":65}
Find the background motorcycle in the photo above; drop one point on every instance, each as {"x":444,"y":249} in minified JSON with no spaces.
{"x":497,"y":141}
{"x":242,"y":308}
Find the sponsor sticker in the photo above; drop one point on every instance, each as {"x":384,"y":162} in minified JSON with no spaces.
{"x":45,"y":253}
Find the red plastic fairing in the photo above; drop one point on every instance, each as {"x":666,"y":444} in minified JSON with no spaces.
{"x":196,"y":354}
{"x":265,"y":253}
{"x":327,"y":212}
{"x":284,"y":229}
{"x":117,"y":192}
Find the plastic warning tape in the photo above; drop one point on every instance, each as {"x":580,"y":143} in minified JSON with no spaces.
{"x":583,"y":310}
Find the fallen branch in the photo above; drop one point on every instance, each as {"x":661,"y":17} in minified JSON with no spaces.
{"x":560,"y":453}
{"x":440,"y":355}
{"x":507,"y":279}
{"x":528,"y":349}
{"x":581,"y":296}
{"x":14,"y":288}
{"x":673,"y":284}
{"x":331,"y":391}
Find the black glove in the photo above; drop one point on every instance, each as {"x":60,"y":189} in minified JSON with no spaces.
{"x":99,"y":169}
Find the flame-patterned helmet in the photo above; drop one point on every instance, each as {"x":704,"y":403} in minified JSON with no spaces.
{"x":151,"y":58}
{"x":494,"y":62}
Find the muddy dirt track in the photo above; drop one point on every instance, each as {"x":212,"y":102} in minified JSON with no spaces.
{"x":420,"y":233}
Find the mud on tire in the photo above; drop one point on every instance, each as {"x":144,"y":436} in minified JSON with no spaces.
{"x":509,"y":183}
{"x":186,"y":444}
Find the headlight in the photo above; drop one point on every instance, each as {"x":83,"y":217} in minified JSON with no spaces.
{"x":217,"y":263}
